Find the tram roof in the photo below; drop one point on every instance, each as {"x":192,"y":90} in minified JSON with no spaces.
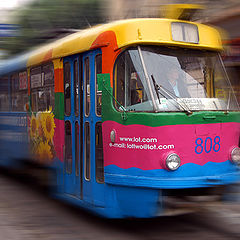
{"x":128,"y":32}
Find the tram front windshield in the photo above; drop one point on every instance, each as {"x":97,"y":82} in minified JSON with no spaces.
{"x":151,"y":78}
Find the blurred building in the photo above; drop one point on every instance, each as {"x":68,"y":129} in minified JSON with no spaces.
{"x":229,"y":20}
{"x":224,"y":14}
{"x":120,"y":9}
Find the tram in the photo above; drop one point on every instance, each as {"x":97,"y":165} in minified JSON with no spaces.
{"x":135,"y":118}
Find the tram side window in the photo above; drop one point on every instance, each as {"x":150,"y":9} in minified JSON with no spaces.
{"x":99,"y":153}
{"x":4,"y":96}
{"x":87,"y":86}
{"x":87,"y":151}
{"x":98,"y":70}
{"x":77,"y":148}
{"x":68,"y":147}
{"x":129,"y":88}
{"x":67,"y":88}
{"x":42,"y":87}
{"x":76,"y":88}
{"x":19,"y":95}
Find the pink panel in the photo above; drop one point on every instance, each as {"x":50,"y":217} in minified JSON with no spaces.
{"x":58,"y":138}
{"x":146,"y":147}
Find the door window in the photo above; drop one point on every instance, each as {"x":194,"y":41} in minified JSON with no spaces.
{"x":98,"y":97}
{"x":87,"y":151}
{"x":76,"y":88}
{"x":77,"y":148}
{"x":99,"y":153}
{"x":87,"y":86}
{"x":67,"y":88}
{"x":68,"y":147}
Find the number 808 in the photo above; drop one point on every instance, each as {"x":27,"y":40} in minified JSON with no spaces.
{"x":208,"y":145}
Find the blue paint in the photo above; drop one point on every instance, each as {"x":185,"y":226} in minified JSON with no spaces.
{"x":75,"y":185}
{"x":13,"y":139}
{"x":15,"y":64}
{"x":119,"y":201}
{"x":187,"y":176}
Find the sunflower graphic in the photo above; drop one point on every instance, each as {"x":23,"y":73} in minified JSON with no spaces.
{"x":44,"y":152}
{"x":33,"y":126}
{"x":48,"y":125}
{"x":40,"y":129}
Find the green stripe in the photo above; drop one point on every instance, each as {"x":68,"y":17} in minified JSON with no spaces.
{"x":59,"y":106}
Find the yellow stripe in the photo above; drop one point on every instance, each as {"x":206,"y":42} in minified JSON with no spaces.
{"x":128,"y":32}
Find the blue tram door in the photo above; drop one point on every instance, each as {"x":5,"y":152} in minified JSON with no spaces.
{"x":73,"y":126}
{"x":83,"y":165}
{"x":93,"y":177}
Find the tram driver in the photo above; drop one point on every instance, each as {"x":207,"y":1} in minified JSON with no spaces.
{"x":175,"y":84}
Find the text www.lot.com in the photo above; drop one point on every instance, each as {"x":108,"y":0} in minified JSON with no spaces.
{"x":129,"y":143}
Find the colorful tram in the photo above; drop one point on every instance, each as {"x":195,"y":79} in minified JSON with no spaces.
{"x":100,"y":108}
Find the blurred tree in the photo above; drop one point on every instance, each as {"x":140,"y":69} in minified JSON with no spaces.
{"x":47,"y":19}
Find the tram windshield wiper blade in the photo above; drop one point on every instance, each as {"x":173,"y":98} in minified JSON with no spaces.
{"x":169,"y":94}
{"x":156,"y":87}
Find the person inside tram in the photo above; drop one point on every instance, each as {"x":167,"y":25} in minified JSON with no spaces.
{"x":134,"y":93}
{"x":175,"y":83}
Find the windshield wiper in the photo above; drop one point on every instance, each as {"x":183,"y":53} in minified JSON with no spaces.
{"x":156,"y":87}
{"x":169,"y":94}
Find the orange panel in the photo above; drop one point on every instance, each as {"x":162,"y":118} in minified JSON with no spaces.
{"x":58,"y":79}
{"x":109,"y":51}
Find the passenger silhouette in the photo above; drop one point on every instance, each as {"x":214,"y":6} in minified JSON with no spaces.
{"x":175,"y":83}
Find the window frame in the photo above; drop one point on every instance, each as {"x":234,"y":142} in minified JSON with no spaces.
{"x":87,"y":78}
{"x":87,"y":150}
{"x":44,"y":87}
{"x":67,"y":113}
{"x":96,"y":86}
{"x":99,"y":175}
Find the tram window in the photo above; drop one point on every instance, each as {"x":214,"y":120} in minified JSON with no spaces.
{"x":42,"y":88}
{"x":19,"y":95}
{"x":99,"y":153}
{"x":42,"y":99}
{"x":68,"y":147}
{"x":76,"y":88}
{"x":87,"y":151}
{"x":129,"y":88}
{"x":36,"y":77}
{"x":4,"y":96}
{"x":77,"y":149}
{"x":98,"y":69}
{"x":48,"y":73}
{"x":67,"y":88}
{"x":81,"y":85}
{"x":87,"y":86}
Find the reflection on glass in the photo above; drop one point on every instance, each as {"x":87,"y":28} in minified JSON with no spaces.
{"x":98,"y":69}
{"x":67,"y":88}
{"x":87,"y":85}
{"x":192,"y":78}
{"x":76,"y":88}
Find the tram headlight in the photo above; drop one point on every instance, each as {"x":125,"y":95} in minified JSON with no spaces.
{"x":173,"y":161}
{"x":235,"y":155}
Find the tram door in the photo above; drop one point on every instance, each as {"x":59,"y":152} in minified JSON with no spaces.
{"x":73,"y":119}
{"x":83,"y":170}
{"x":93,"y":181}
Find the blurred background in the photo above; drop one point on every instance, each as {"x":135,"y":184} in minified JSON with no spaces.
{"x":27,"y":23}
